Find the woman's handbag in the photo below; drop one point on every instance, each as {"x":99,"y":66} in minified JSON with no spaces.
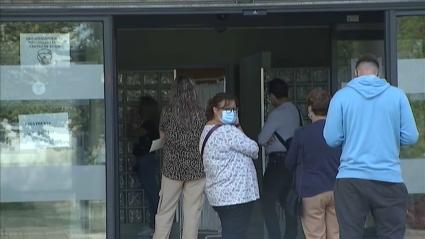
{"x":294,"y":201}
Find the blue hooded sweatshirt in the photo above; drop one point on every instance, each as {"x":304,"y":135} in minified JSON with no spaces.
{"x":370,"y":119}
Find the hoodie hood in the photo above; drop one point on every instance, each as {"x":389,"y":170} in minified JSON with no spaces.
{"x":369,"y":86}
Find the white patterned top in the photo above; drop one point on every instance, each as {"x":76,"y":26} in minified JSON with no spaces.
{"x":231,"y":177}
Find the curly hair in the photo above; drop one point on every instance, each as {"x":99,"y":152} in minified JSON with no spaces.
{"x":184,"y":101}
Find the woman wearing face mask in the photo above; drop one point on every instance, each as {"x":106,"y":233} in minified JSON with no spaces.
{"x":316,"y":165}
{"x":148,"y":163}
{"x":231,"y":179}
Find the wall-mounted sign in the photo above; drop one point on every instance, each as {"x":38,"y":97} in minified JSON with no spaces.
{"x":42,"y":131}
{"x":45,"y":49}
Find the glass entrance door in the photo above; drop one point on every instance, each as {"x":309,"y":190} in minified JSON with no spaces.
{"x":52,"y":130}
{"x":411,"y":79}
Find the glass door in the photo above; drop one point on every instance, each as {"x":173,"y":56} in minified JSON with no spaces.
{"x":411,"y":79}
{"x":52,"y":130}
{"x":350,"y":41}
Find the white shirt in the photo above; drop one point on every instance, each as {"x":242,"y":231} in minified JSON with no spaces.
{"x":231,"y":177}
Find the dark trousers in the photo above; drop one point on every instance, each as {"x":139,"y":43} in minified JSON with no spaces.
{"x":148,"y":172}
{"x":277,"y":182}
{"x":234,"y":220}
{"x":355,"y":198}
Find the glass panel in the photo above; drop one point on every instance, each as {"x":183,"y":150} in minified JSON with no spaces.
{"x":134,"y":206}
{"x":167,"y":78}
{"x":52,"y":152}
{"x":348,"y":53}
{"x":411,"y":79}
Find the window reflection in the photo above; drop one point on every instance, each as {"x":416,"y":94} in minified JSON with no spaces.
{"x":350,"y":50}
{"x":52,"y":151}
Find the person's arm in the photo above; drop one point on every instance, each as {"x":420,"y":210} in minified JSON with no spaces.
{"x":408,"y":132}
{"x":292,"y":156}
{"x":333,"y":131}
{"x":270,"y":126}
{"x":241,"y":143}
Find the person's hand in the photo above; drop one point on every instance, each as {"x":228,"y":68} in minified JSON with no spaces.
{"x":271,"y":140}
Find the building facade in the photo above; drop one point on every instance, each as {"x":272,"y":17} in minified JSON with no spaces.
{"x":72,"y":73}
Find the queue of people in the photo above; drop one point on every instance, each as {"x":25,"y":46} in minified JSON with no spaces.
{"x":330,"y":174}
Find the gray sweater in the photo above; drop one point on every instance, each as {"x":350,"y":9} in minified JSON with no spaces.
{"x":284,"y":120}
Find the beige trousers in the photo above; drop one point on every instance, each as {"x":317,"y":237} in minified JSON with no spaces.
{"x":319,"y":218}
{"x":193,"y":201}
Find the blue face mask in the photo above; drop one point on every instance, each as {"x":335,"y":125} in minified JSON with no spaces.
{"x":228,"y":117}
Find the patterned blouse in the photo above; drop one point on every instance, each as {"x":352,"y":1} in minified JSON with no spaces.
{"x":231,"y":177}
{"x":182,"y":160}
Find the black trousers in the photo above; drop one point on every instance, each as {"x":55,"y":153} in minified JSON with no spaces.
{"x":148,"y":171}
{"x":355,"y":198}
{"x":234,"y":220}
{"x":277,"y":182}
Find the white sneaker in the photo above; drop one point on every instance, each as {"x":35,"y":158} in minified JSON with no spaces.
{"x":147,"y":231}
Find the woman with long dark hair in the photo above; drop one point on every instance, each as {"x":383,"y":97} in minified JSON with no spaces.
{"x":181,"y":126}
{"x":148,"y":163}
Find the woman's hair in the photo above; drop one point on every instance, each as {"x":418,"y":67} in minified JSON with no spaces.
{"x":319,"y":101}
{"x":184,"y":101}
{"x":149,"y":108}
{"x":215,"y":102}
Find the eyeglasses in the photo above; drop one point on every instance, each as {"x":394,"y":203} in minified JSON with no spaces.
{"x":230,"y":109}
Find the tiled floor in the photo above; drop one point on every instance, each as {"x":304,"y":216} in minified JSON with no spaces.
{"x":55,"y":221}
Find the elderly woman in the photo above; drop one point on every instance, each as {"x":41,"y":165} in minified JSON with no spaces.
{"x":181,"y":126}
{"x":316,"y":170}
{"x":231,"y":186}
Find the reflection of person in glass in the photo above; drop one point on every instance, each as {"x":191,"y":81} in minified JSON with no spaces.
{"x":98,"y":152}
{"x":45,"y":56}
{"x":148,"y":163}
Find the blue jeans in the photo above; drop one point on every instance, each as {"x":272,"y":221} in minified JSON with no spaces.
{"x":148,"y":172}
{"x":234,"y":220}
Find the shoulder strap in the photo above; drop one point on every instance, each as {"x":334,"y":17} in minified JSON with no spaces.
{"x":281,"y":140}
{"x":208,"y":136}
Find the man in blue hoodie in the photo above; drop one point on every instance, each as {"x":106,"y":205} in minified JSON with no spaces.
{"x":370,"y":119}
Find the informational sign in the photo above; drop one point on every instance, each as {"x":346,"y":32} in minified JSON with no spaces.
{"x":45,"y":49}
{"x":41,"y":131}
